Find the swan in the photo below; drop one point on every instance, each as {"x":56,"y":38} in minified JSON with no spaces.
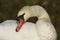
{"x":22,"y":30}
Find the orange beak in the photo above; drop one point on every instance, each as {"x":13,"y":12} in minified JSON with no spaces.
{"x":19,"y":25}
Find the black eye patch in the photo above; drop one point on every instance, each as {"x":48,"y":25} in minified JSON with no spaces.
{"x":21,"y":16}
{"x":32,"y":19}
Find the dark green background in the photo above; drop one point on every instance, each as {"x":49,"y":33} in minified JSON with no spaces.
{"x":10,"y":8}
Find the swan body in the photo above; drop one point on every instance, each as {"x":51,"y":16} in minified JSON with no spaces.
{"x":42,"y":30}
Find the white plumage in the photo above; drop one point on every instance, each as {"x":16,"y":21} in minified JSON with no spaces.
{"x":42,"y":30}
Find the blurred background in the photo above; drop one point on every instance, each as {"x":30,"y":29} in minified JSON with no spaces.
{"x":10,"y":8}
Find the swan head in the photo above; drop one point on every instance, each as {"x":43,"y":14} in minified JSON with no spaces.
{"x":23,"y":16}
